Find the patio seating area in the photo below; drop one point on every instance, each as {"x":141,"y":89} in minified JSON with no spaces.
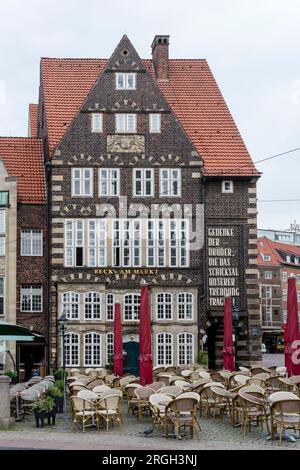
{"x":177,"y":403}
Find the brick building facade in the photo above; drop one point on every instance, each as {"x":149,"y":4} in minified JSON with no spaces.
{"x":152,"y":132}
{"x":26,"y":246}
{"x":276,"y":263}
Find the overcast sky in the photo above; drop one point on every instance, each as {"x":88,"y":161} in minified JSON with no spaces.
{"x":252,"y":47}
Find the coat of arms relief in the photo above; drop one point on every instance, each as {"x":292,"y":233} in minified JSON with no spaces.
{"x":125,"y":143}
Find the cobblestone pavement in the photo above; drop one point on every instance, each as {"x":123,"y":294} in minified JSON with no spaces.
{"x":214,"y":435}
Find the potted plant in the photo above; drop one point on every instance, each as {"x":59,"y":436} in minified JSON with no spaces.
{"x":44,"y":408}
{"x":13,"y":376}
{"x":59,"y":374}
{"x":56,"y":391}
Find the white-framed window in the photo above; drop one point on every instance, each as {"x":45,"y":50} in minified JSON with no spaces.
{"x":154,"y":123}
{"x":110,"y":307}
{"x":82,"y":182}
{"x":268,"y":274}
{"x":97,"y":122}
{"x":284,"y":316}
{"x":185,"y":348}
{"x":74,"y":243}
{"x":125,"y":123}
{"x":284,"y":276}
{"x":109,"y":182}
{"x":72,"y":350}
{"x":268,"y":292}
{"x":170,"y":182}
{"x":2,"y":232}
{"x":31,"y":242}
{"x":132,"y":307}
{"x":269,"y":313}
{"x":185,"y":306}
{"x":298,"y":278}
{"x":178,"y":242}
{"x":97,"y":238}
{"x":92,"y":349}
{"x":4,"y":198}
{"x":284,"y":294}
{"x":125,"y":81}
{"x":266,"y":257}
{"x":164,"y":349}
{"x":164,"y":306}
{"x":70,"y":305}
{"x":298,"y":296}
{"x":2,"y":298}
{"x":227,"y":186}
{"x":126,"y":246}
{"x":31,"y":298}
{"x":109,"y":346}
{"x":92,"y":306}
{"x":143,"y":182}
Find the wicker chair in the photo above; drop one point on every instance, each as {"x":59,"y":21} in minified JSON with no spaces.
{"x":273,"y":384}
{"x":156,"y":386}
{"x":157,"y":408}
{"x":143,"y":405}
{"x":183,"y":384}
{"x":253,"y":410}
{"x":208,"y":398}
{"x":99,"y":389}
{"x":95,"y":383}
{"x":109,"y":409}
{"x":295,"y":380}
{"x":222,"y":402}
{"x":182,"y":412}
{"x":131,"y":397}
{"x":82,"y":410}
{"x":171,"y":390}
{"x":285,"y":414}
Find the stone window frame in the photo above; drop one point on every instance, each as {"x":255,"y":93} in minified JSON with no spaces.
{"x":185,"y":304}
{"x":143,"y":179}
{"x":153,"y":129}
{"x":92,"y":303}
{"x":97,"y":129}
{"x":268,"y":275}
{"x":71,"y":348}
{"x":30,"y":292}
{"x":72,"y":302}
{"x":109,"y":183}
{"x":109,"y":345}
{"x":170,"y":182}
{"x":185,"y":344}
{"x":31,"y":235}
{"x":94,"y":347}
{"x":134,"y":307}
{"x":125,"y":76}
{"x":227,"y":187}
{"x":164,"y":349}
{"x":110,"y":304}
{"x":126,"y":129}
{"x":157,"y":304}
{"x":82,"y":178}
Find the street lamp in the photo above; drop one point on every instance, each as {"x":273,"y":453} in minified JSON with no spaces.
{"x":61,"y":322}
{"x":235,"y":320}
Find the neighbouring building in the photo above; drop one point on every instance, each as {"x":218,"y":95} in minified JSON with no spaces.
{"x":276,"y":263}
{"x":23,"y":247}
{"x":292,"y":236}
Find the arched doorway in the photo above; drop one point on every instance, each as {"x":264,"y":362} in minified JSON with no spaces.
{"x":131,"y":358}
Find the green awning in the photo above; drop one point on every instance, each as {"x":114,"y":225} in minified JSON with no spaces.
{"x":11,"y":332}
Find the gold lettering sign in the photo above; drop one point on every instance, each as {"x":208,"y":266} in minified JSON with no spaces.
{"x":126,"y":271}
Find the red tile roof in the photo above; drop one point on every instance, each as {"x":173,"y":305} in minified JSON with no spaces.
{"x":192,"y":93}
{"x":33,"y":120}
{"x":269,"y":247}
{"x":22,"y":157}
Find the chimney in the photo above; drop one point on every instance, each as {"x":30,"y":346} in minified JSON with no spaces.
{"x":160,"y":56}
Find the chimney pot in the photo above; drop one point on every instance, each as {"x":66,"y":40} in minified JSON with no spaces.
{"x":160,"y":56}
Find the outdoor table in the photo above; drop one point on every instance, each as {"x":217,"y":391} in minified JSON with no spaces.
{"x":285,"y":436}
